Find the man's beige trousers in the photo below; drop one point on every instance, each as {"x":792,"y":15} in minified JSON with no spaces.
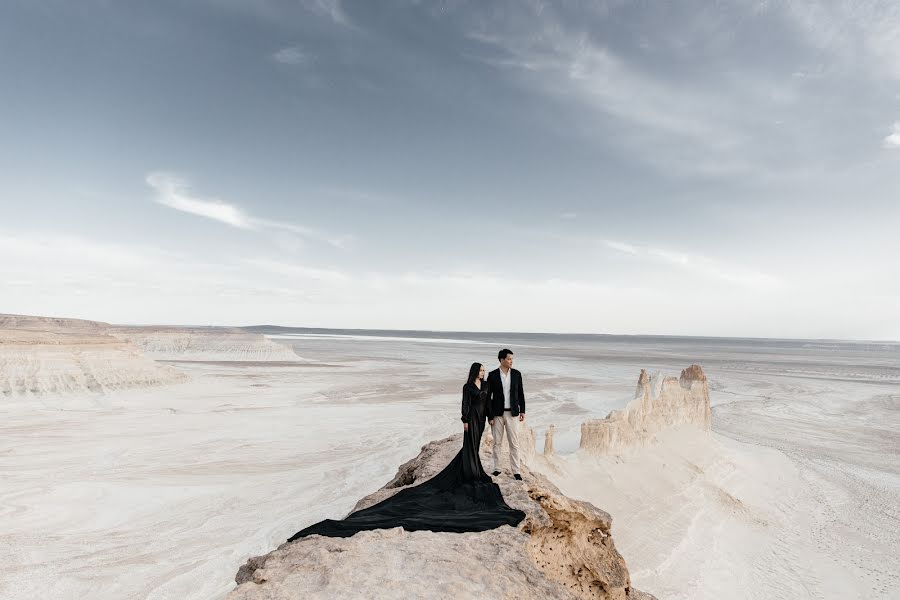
{"x":510,"y":424}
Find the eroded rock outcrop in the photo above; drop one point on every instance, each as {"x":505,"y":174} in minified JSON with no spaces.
{"x":549,"y":450}
{"x":207,"y":344}
{"x":659,"y":403}
{"x":53,"y":324}
{"x":563,"y":549}
{"x":48,"y":355}
{"x":35,"y":363}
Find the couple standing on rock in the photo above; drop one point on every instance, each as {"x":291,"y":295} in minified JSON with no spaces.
{"x":501,"y":400}
{"x":462,"y":497}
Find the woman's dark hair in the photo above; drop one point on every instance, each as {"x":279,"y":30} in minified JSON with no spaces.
{"x":474,"y":370}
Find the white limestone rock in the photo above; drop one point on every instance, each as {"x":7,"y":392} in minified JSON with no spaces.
{"x":659,"y":404}
{"x":563,"y":549}
{"x":207,"y":344}
{"x":37,"y":363}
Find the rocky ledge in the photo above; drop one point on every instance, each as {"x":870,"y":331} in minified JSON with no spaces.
{"x":563,"y":549}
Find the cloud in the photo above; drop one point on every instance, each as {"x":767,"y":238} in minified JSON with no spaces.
{"x":696,"y":103}
{"x":860,"y":34}
{"x":331,"y":9}
{"x":675,"y":127}
{"x":297,"y":271}
{"x":66,"y":251}
{"x":626,"y":248}
{"x":67,"y":274}
{"x":700,"y":265}
{"x":291,"y":55}
{"x":173,"y":191}
{"x":892,"y":141}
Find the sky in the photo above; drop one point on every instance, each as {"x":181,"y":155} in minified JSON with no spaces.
{"x":727,"y":168}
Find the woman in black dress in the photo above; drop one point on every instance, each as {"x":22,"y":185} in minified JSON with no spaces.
{"x":474,"y":416}
{"x":460,"y":498}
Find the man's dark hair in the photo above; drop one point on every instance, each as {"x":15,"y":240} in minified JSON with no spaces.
{"x":504,"y":353}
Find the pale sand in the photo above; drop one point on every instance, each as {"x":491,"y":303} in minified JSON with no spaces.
{"x":164,"y":492}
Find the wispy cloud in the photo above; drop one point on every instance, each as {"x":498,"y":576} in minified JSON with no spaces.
{"x":700,"y":265}
{"x":674,"y":127}
{"x":112,"y":281}
{"x":892,"y":141}
{"x":66,"y":250}
{"x":297,"y":271}
{"x":174,"y":192}
{"x":860,"y":34}
{"x":621,"y":247}
{"x":291,"y":55}
{"x":741,"y":118}
{"x":331,"y":9}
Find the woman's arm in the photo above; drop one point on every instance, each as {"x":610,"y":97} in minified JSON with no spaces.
{"x":466,"y":405}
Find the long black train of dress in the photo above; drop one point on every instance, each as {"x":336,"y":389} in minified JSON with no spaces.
{"x":460,"y":498}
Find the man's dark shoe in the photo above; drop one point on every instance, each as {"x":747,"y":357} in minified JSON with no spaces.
{"x":517,"y":476}
{"x":495,"y":473}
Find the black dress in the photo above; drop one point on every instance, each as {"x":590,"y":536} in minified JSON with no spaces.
{"x":474,"y":412}
{"x":460,"y":498}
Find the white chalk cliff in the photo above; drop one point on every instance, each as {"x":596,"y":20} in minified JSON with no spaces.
{"x":65,"y":359}
{"x":659,"y":404}
{"x":45,"y":355}
{"x":563,"y":549}
{"x":205,"y":344}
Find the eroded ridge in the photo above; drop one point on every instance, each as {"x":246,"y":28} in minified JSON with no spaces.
{"x":658,"y":404}
{"x":563,"y":549}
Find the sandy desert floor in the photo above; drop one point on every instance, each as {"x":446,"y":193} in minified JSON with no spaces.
{"x":164,"y":492}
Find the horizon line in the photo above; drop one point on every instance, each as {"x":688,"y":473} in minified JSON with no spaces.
{"x":460,"y":331}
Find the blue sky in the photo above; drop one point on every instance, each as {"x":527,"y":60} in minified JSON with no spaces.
{"x":695,"y":168}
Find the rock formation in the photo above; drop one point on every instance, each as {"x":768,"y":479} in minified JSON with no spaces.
{"x":55,"y":324}
{"x":548,"y":441}
{"x":563,"y":549}
{"x":205,"y":344}
{"x":45,"y":355}
{"x":35,"y":363}
{"x":658,"y":404}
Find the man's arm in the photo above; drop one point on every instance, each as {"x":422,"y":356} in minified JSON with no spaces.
{"x":521,"y":399}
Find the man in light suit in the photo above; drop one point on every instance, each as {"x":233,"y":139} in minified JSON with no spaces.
{"x":505,"y":409}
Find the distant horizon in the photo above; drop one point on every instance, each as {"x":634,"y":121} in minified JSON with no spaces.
{"x":459,"y":331}
{"x":564,"y":333}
